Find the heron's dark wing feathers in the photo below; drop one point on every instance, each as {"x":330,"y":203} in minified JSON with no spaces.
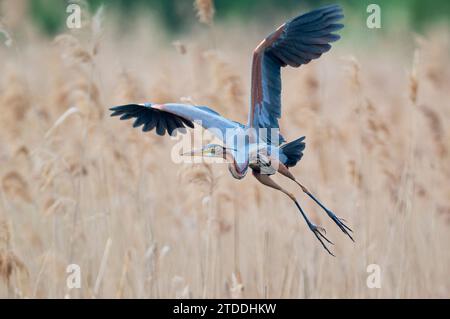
{"x":171,"y":117}
{"x":291,"y":153}
{"x":296,"y":42}
{"x":152,"y":118}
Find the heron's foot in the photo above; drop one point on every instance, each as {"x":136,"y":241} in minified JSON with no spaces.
{"x":339,"y":221}
{"x":341,"y":224}
{"x":320,"y":233}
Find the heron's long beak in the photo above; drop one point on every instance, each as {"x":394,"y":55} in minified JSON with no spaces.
{"x":197,"y":152}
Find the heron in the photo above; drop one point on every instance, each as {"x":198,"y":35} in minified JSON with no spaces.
{"x":294,"y":43}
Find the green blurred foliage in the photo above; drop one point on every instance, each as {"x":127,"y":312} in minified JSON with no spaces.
{"x":48,"y":14}
{"x":178,"y":15}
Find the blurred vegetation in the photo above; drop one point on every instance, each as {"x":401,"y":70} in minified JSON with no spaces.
{"x":178,"y":15}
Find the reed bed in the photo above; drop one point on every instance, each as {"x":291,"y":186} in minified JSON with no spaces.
{"x":78,"y":187}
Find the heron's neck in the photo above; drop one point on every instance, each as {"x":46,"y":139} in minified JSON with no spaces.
{"x":237,"y":170}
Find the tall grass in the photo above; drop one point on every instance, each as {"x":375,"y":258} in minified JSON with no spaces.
{"x":80,"y":187}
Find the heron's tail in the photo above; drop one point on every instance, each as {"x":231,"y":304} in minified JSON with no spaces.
{"x":292,"y":153}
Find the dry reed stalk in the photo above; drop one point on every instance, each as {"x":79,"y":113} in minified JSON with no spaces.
{"x":152,"y":257}
{"x":355,"y":69}
{"x":10,"y":263}
{"x":359,"y":110}
{"x":155,"y":257}
{"x":162,"y":90}
{"x":14,"y":102}
{"x":5,"y":233}
{"x":80,"y":89}
{"x":39,"y":275}
{"x":355,"y":173}
{"x":102,"y":269}
{"x":203,"y":176}
{"x":205,"y":11}
{"x":235,"y":287}
{"x":61,"y":119}
{"x":15,"y":186}
{"x":56,"y":204}
{"x":378,"y":133}
{"x":212,"y":218}
{"x":71,"y":50}
{"x":413,"y":95}
{"x":14,"y":13}
{"x":97,"y":29}
{"x":313,"y":88}
{"x":181,"y":288}
{"x":434,"y":49}
{"x":128,"y":88}
{"x":434,"y":121}
{"x":264,"y":265}
{"x":8,"y":39}
{"x":123,"y":276}
{"x":180,"y":47}
{"x":226,"y":91}
{"x":413,"y":79}
{"x":82,"y":92}
{"x":433,"y":57}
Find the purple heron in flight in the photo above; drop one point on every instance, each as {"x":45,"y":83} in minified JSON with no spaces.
{"x":294,"y":43}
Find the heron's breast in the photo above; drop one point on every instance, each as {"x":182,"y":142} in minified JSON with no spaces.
{"x":236,"y":171}
{"x":261,"y":162}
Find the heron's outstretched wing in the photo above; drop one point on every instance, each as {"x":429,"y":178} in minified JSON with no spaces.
{"x":294,"y":43}
{"x":170,"y":117}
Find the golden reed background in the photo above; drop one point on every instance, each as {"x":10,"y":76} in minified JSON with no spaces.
{"x":80,"y":187}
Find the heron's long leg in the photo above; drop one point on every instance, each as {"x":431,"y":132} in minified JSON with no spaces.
{"x":339,"y":221}
{"x":319,"y":232}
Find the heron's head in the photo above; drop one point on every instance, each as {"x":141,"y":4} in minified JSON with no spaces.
{"x":210,"y":150}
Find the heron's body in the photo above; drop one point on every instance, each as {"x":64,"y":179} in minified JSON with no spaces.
{"x":258,"y":144}
{"x":260,"y":158}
